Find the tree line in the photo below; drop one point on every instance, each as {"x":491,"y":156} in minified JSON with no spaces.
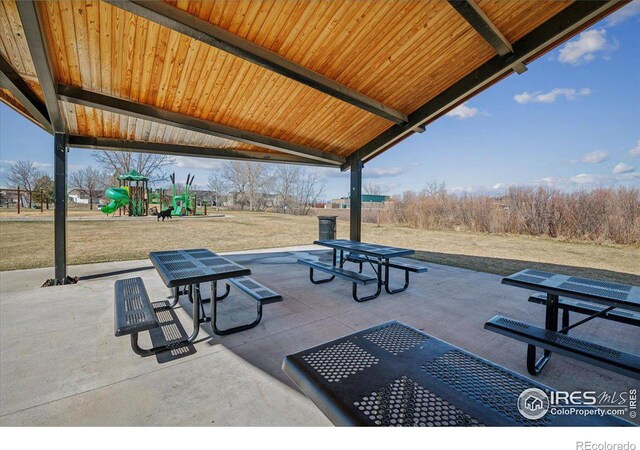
{"x":255,"y":186}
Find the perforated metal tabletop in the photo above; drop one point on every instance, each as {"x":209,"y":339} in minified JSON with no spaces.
{"x":184,"y":267}
{"x":375,"y":250}
{"x":602,"y":292}
{"x":395,"y":375}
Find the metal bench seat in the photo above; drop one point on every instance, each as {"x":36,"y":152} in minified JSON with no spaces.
{"x":349,"y":275}
{"x":258,"y":292}
{"x":410,"y":267}
{"x":133,"y":309}
{"x":583,"y":307}
{"x":598,"y":355}
{"x":339,"y":272}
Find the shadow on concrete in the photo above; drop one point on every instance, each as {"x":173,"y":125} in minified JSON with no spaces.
{"x":171,"y":330}
{"x":504,"y":267}
{"x":113,"y":273}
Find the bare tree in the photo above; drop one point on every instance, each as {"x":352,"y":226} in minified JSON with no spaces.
{"x":373,"y":189}
{"x":249,"y":180}
{"x":24,"y":174}
{"x":90,"y":182}
{"x":218,"y":186}
{"x":150,"y":165}
{"x":297,"y":189}
{"x":44,"y":189}
{"x":286,"y":181}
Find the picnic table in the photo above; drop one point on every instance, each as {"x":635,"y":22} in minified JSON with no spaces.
{"x":395,"y":375}
{"x":378,"y":257}
{"x":595,"y":298}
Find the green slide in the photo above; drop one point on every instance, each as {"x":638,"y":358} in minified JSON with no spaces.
{"x":119,"y":198}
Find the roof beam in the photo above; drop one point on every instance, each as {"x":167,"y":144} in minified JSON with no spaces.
{"x":99,"y":143}
{"x":204,"y":31}
{"x":82,"y":97}
{"x":557,"y":29}
{"x":14,"y":83}
{"x":32,"y":26}
{"x":476,"y":17}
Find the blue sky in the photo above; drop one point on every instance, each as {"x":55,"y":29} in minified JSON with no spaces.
{"x":570,"y":122}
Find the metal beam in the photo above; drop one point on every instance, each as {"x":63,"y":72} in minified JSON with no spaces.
{"x":204,"y":31}
{"x":82,"y":97}
{"x":561,"y":26}
{"x":14,"y":83}
{"x":99,"y":143}
{"x":60,"y":208}
{"x":476,"y":17}
{"x":355,"y":201}
{"x":32,"y":26}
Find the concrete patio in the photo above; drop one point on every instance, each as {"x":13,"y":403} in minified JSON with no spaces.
{"x":60,"y":363}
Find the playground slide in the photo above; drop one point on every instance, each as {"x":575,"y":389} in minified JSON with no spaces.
{"x":119,"y":198}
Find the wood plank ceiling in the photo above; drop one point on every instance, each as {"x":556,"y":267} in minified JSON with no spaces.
{"x":400,"y":53}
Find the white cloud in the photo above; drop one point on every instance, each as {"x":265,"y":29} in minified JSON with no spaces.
{"x":635,"y":151}
{"x":380,"y":172}
{"x":624,"y":13}
{"x":463,"y":112}
{"x":550,"y":97}
{"x":584,"y":178}
{"x":192,"y":162}
{"x":593,"y":157}
{"x":621,"y":168}
{"x":586,"y":46}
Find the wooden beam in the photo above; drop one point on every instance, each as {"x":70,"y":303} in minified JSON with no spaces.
{"x":14,"y":83}
{"x":82,"y":97}
{"x":204,"y":31}
{"x":476,"y":17}
{"x":563,"y":25}
{"x":32,"y":25}
{"x":99,"y":143}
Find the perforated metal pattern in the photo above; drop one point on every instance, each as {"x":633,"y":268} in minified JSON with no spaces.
{"x":604,"y":284}
{"x":513,"y":323}
{"x":539,"y":273}
{"x":191,"y":273}
{"x":133,"y":303}
{"x":405,"y":403}
{"x":199,"y":253}
{"x":136,"y":317}
{"x":528,"y":279}
{"x":213,"y":262}
{"x":339,"y":361}
{"x":265,"y":293}
{"x":582,"y":345}
{"x":180,"y":265}
{"x":483,"y":382}
{"x":583,"y":289}
{"x":248,"y":283}
{"x":171,"y":257}
{"x":396,"y":338}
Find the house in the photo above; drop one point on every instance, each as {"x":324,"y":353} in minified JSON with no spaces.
{"x":368,"y":201}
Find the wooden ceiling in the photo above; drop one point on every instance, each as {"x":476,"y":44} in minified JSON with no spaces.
{"x":401,"y":55}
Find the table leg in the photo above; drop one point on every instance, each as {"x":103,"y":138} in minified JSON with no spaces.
{"x":551,"y":323}
{"x":387,"y":284}
{"x":214,"y":315}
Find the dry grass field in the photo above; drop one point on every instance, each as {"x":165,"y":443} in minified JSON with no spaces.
{"x":29,"y":244}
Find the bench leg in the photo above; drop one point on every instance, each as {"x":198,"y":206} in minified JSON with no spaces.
{"x":354,"y":289}
{"x":551,"y":323}
{"x":387,"y":281}
{"x":326,"y":280}
{"x":534,"y":366}
{"x":214,"y":319}
{"x":565,"y":320}
{"x":173,"y":345}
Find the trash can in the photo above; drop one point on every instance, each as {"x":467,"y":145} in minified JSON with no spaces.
{"x":327,"y":227}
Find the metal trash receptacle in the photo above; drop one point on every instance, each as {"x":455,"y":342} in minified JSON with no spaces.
{"x":327,"y":227}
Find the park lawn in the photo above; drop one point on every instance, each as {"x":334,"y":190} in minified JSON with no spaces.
{"x":29,"y":244}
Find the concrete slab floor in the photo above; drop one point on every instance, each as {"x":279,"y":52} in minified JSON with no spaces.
{"x":60,"y":363}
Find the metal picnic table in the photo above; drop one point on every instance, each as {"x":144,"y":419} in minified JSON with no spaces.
{"x":377,"y":256}
{"x":606,"y":294}
{"x":179,"y":268}
{"x":395,"y":375}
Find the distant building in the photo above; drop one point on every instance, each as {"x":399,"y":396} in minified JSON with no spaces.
{"x":368,"y":201}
